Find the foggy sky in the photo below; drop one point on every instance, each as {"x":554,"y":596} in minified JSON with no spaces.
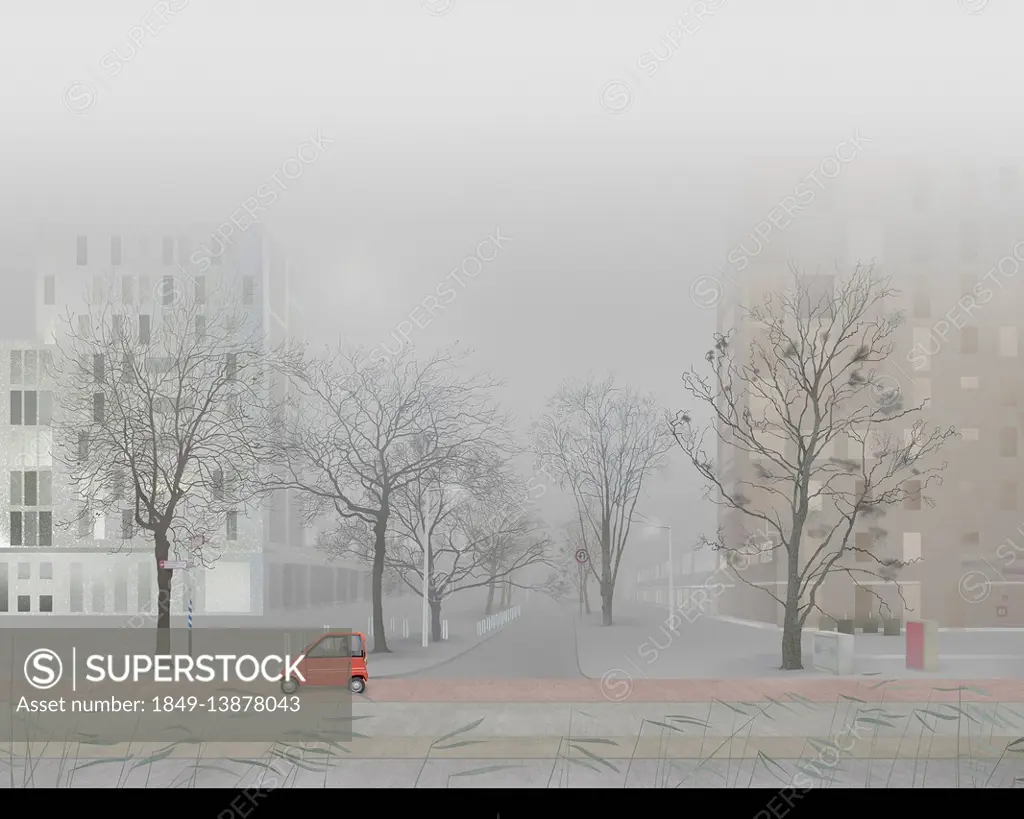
{"x":449,"y":126}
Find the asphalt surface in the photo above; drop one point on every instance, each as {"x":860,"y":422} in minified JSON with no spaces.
{"x":541,"y":644}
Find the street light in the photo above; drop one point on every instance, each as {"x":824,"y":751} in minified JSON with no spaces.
{"x":671,"y":562}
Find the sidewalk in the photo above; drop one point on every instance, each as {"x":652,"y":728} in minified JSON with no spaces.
{"x":641,"y":646}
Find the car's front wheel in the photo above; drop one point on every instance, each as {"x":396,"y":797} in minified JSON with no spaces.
{"x":289,"y":686}
{"x":357,"y":685}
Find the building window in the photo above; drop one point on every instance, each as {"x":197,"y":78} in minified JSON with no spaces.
{"x":167,"y":291}
{"x":1008,"y":495}
{"x":98,"y":408}
{"x":200,"y":289}
{"x":15,"y":367}
{"x":144,"y":329}
{"x":1008,"y":442}
{"x":3,"y":589}
{"x":248,"y":291}
{"x":115,"y":250}
{"x":49,"y":290}
{"x":911,"y":546}
{"x":969,"y":382}
{"x":232,"y":366}
{"x":46,"y":571}
{"x":200,"y":326}
{"x":232,"y":525}
{"x":912,"y":496}
{"x":121,"y":590}
{"x":969,"y":340}
{"x":144,"y":293}
{"x":925,"y":349}
{"x":99,"y":596}
{"x":82,"y":251}
{"x":862,"y":543}
{"x":16,"y":534}
{"x":145,"y":587}
{"x":1008,"y":342}
{"x":127,"y":524}
{"x":46,"y":603}
{"x":168,"y":250}
{"x":24,"y":571}
{"x":75,"y":596}
{"x":31,"y":408}
{"x":127,"y":290}
{"x":24,"y":603}
{"x":98,"y":368}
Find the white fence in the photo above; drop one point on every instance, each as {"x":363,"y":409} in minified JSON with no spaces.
{"x":394,"y":628}
{"x":495,"y":621}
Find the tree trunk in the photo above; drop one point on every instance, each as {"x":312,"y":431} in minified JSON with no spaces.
{"x":490,"y":597}
{"x":607,"y":583}
{"x":607,"y":592}
{"x":586,"y":592}
{"x":792,"y":659}
{"x":504,"y":598}
{"x":380,"y":640}
{"x":163,"y":595}
{"x":435,"y":620}
{"x":792,"y":650}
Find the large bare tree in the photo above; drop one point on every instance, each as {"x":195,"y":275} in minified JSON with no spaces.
{"x":602,"y":442}
{"x":161,"y":414}
{"x":362,"y":433}
{"x":815,"y":439}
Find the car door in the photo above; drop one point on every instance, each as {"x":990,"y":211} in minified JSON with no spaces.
{"x":327,"y":662}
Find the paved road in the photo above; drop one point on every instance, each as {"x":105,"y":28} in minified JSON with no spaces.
{"x":541,"y":644}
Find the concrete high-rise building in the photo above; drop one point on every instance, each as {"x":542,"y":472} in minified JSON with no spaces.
{"x":949,"y":237}
{"x":265,"y":564}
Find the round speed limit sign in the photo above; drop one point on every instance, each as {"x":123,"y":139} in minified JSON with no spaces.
{"x":582,"y":556}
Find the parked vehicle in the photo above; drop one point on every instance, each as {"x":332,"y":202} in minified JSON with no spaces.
{"x":336,"y":659}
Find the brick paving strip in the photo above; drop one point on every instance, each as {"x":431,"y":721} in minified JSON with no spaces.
{"x":682,"y":691}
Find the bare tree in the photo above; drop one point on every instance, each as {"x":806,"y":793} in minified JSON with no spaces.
{"x":783,"y":408}
{"x":363,"y":434}
{"x":160,"y":420}
{"x":602,"y":442}
{"x":473,"y":534}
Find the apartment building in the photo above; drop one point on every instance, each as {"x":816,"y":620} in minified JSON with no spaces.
{"x":88,"y":568}
{"x":948,"y":235}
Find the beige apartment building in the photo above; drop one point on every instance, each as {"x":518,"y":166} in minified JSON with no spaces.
{"x":951,"y":236}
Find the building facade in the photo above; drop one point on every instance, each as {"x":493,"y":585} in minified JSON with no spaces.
{"x":950,"y":237}
{"x":263,"y":562}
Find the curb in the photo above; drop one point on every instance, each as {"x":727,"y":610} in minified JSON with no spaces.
{"x":463,"y":653}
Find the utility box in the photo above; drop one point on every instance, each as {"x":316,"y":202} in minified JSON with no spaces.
{"x":833,"y":652}
{"x":923,"y":645}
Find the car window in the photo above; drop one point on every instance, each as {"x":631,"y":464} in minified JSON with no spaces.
{"x":330,"y":647}
{"x":357,"y":646}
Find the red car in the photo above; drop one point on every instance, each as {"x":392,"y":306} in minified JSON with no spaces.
{"x":336,"y":659}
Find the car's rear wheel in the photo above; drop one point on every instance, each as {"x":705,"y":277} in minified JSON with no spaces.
{"x":357,"y":685}
{"x":289,"y":686}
